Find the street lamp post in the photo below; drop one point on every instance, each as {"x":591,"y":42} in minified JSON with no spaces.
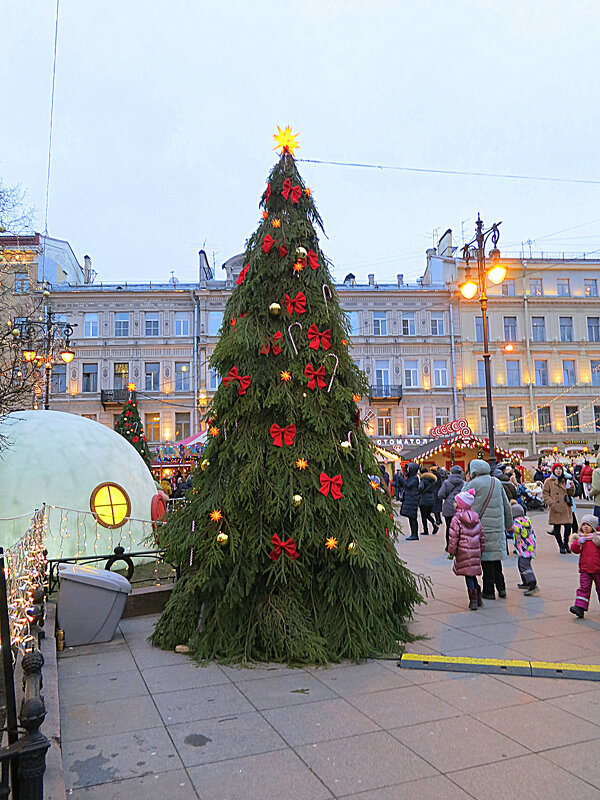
{"x":56,"y":344}
{"x":495,"y":273}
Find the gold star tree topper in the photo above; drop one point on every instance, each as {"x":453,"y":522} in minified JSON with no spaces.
{"x":286,"y":140}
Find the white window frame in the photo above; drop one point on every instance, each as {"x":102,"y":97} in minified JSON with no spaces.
{"x":411,"y":382}
{"x":437,"y":324}
{"x":152,"y":318}
{"x":122,"y":321}
{"x":380,"y":323}
{"x":91,"y":323}
{"x":440,"y":374}
{"x":182,"y":323}
{"x":409,"y":325}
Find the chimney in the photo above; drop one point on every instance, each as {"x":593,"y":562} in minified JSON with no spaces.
{"x":87,"y":269}
{"x":400,"y":280}
{"x":371,"y":279}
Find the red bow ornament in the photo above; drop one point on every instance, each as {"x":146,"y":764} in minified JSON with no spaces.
{"x":271,"y":345}
{"x":234,"y":375}
{"x":298,"y":304}
{"x":331,"y":484}
{"x":317,"y":338}
{"x":288,"y":547}
{"x":317,"y":376}
{"x":242,"y":275}
{"x":293,"y":192}
{"x":312,"y":259}
{"x":268,"y":243}
{"x":282,"y":251}
{"x":283,"y":436}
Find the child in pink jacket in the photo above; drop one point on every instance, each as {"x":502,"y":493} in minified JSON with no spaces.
{"x":586,"y":544}
{"x":467,"y":543}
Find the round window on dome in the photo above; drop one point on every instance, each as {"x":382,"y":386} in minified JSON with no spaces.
{"x":110,"y":504}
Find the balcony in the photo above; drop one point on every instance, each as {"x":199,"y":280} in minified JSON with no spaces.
{"x":386,"y":392}
{"x":113,"y":397}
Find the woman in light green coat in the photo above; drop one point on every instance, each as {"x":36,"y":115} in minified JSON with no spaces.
{"x":492,"y":506}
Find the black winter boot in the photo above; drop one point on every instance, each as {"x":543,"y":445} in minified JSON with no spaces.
{"x":472,"y":599}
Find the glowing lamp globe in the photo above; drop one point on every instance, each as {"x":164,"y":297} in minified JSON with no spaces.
{"x":496,"y":274}
{"x":67,"y":355}
{"x":29,"y":354}
{"x":468,"y":289}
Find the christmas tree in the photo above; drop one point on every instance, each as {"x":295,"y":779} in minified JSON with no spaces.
{"x":130,"y":426}
{"x":287,"y":546}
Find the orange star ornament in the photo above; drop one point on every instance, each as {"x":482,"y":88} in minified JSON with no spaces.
{"x":331,"y":543}
{"x":286,"y":376}
{"x":302,"y":463}
{"x":298,"y":266}
{"x":214,"y":431}
{"x":286,"y":140}
{"x":216,"y":515}
{"x":276,"y":223}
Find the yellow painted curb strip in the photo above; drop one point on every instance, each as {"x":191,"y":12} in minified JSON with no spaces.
{"x":545,"y":669}
{"x":495,"y":662}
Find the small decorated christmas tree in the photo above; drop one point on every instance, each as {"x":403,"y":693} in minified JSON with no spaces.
{"x":129,"y":425}
{"x":287,"y":545}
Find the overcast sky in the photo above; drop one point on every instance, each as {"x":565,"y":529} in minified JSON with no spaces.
{"x":164,"y":115}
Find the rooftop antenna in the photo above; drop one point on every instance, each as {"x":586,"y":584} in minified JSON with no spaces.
{"x":434,"y":237}
{"x":462,"y":230}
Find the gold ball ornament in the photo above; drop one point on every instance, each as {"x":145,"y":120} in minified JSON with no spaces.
{"x":297,"y":499}
{"x":351,"y":547}
{"x":380,"y":507}
{"x":274,"y":309}
{"x":204,"y":464}
{"x":46,"y":293}
{"x":222,"y":538}
{"x":301,"y":253}
{"x":346,"y":446}
{"x":16,"y":332}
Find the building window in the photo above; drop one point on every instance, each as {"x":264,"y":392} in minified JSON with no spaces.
{"x":379,"y":323}
{"x":384,"y":422}
{"x":483,"y":420}
{"x":569,"y":373}
{"x":353,"y":319}
{"x":572,"y":418}
{"x":440,"y":374}
{"x":437,"y":324}
{"x":408,"y":323}
{"x":513,"y":373}
{"x":215,"y":318}
{"x":413,"y":421}
{"x":508,"y":287}
{"x":59,"y":379}
{"x":591,"y":287}
{"x":182,"y":323}
{"x":182,"y":425}
{"x":566,"y":329}
{"x":411,"y":374}
{"x":544,"y":421}
{"x":479,"y":329}
{"x":121,"y":376}
{"x":515,"y":419}
{"x":538,"y":329}
{"x":110,"y":504}
{"x":442,"y":415}
{"x":151,"y":319}
{"x":152,"y":377}
{"x":152,"y":427}
{"x":382,"y":374}
{"x":21,"y":283}
{"x":122,"y":323}
{"x":90,"y":378}
{"x":563,"y":287}
{"x":510,"y":329}
{"x":541,"y":373}
{"x":481,"y":374}
{"x":214,"y":379}
{"x":90,"y":326}
{"x":536,"y":287}
{"x":593,"y":325}
{"x":182,"y":377}
{"x":595,"y":368}
{"x":597,"y":418}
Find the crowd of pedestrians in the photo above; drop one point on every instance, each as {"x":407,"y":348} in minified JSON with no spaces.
{"x":484,"y":513}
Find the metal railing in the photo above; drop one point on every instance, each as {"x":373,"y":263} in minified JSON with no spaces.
{"x":118,"y":555}
{"x":386,"y":390}
{"x":119,"y":396}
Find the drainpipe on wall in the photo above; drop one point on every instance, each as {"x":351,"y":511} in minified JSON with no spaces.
{"x":195,"y":301}
{"x":453,"y":353}
{"x":531,"y":373}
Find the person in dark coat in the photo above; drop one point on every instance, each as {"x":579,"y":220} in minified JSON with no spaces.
{"x":397,"y":481}
{"x":508,"y":486}
{"x":450,"y":488}
{"x":539,"y":474}
{"x":440,"y":476}
{"x":410,"y":501}
{"x":427,"y":489}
